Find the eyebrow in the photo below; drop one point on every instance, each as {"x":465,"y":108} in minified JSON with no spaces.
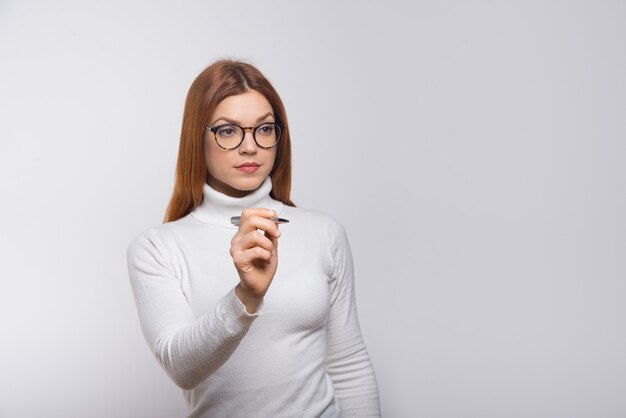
{"x":239,"y":123}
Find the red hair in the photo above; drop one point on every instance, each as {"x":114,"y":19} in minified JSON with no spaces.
{"x":219,"y":80}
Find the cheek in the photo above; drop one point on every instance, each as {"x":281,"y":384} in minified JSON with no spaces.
{"x":273,"y":158}
{"x":212,"y":158}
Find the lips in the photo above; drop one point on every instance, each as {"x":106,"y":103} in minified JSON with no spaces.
{"x":248,"y":165}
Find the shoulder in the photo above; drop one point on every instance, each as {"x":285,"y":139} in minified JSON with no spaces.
{"x":315,"y":217}
{"x":317,"y":222}
{"x":156,"y":238}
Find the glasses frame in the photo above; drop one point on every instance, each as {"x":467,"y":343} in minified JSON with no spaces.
{"x":244,"y":129}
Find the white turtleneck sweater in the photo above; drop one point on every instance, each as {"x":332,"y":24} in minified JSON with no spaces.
{"x":300,"y":354}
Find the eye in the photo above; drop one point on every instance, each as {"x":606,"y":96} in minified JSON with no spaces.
{"x":266,"y":129}
{"x":226,"y":131}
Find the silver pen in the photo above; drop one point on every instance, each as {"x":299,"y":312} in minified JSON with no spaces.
{"x":236,"y":219}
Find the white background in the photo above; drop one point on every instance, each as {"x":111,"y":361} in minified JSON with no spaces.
{"x":474,"y":151}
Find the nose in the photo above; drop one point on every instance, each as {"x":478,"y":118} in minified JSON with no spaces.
{"x":248,"y":145}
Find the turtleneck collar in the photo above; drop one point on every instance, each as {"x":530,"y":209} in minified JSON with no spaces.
{"x":217,"y":208}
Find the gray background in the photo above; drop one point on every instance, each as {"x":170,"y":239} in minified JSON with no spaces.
{"x":474,"y":151}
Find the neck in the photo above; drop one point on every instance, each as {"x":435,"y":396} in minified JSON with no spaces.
{"x":217,"y":208}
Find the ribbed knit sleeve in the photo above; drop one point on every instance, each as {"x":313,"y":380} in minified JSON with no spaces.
{"x":189,"y":349}
{"x":348,"y":362}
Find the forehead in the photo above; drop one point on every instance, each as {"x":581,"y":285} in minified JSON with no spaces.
{"x":244,"y":108}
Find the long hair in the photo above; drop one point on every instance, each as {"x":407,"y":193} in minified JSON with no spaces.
{"x":223,"y":78}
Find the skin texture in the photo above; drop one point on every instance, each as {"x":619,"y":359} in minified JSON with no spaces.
{"x":245,"y":110}
{"x":255,"y":255}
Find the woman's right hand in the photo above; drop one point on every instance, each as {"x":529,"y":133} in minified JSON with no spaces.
{"x":255,"y":255}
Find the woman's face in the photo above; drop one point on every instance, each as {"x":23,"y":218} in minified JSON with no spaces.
{"x":247,"y":109}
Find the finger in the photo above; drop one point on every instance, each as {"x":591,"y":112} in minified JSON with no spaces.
{"x":274,"y":241}
{"x":256,"y":225}
{"x":254,"y":239}
{"x":254,"y":222}
{"x":262,"y":212}
{"x":250,"y":255}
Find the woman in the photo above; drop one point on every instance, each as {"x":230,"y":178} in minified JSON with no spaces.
{"x":243,"y":334}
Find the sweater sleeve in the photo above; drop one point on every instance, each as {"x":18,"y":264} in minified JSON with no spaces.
{"x":189,"y":349}
{"x":348,"y":362}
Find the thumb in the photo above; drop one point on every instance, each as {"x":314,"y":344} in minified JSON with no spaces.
{"x":274,"y":240}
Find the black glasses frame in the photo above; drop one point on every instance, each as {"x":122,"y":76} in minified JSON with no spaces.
{"x":244,"y":129}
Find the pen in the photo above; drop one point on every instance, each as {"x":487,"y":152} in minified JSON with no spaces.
{"x":235,"y":220}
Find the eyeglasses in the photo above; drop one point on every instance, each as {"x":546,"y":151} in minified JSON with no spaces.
{"x":230,"y":136}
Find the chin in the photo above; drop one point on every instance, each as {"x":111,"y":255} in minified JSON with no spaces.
{"x":246,"y":186}
{"x":237,"y":184}
{"x":249,"y":183}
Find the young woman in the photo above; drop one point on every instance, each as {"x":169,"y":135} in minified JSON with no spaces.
{"x":250,"y":320}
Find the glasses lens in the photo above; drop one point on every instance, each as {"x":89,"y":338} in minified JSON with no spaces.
{"x":229,"y":136}
{"x":268,"y":134}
